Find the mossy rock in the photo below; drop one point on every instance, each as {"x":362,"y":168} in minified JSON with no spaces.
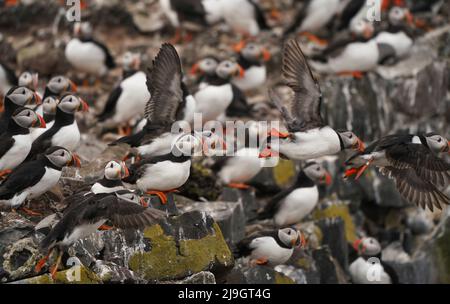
{"x":172,"y":256}
{"x":284,"y":172}
{"x":68,"y":276}
{"x":343,"y":212}
{"x":441,"y":252}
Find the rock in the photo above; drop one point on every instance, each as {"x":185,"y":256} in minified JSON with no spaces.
{"x":333,"y":231}
{"x":108,"y":272}
{"x":245,"y":197}
{"x":74,"y":275}
{"x":297,"y":275}
{"x":88,"y":249}
{"x":265,"y":275}
{"x":20,"y":258}
{"x":329,"y":269}
{"x":170,"y":207}
{"x":271,"y":179}
{"x":120,"y":245}
{"x":230,"y":217}
{"x":186,"y":244}
{"x":203,"y":277}
{"x":201,"y":184}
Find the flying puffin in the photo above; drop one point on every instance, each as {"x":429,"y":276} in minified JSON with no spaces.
{"x":213,"y":100}
{"x":410,"y":161}
{"x":49,"y":106}
{"x":85,"y":219}
{"x":312,"y":17}
{"x":182,"y":12}
{"x":64,"y":132}
{"x":274,"y":247}
{"x":127,"y":101}
{"x":8,"y":78}
{"x":252,"y":58}
{"x":167,"y":105}
{"x":15,"y":142}
{"x":293,"y":204}
{"x":15,"y":98}
{"x":244,"y":16}
{"x":86,"y":54}
{"x":33,"y":178}
{"x":370,"y":263}
{"x":308,"y":135}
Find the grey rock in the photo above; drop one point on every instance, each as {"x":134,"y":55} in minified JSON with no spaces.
{"x":110,"y":272}
{"x":202,"y":277}
{"x":296,"y":274}
{"x":333,"y":231}
{"x":245,"y":197}
{"x":329,"y":269}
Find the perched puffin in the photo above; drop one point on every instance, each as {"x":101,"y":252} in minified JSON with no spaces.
{"x":244,"y":16}
{"x":293,"y":204}
{"x":59,"y":85}
{"x":86,"y":54}
{"x":252,"y":58}
{"x":213,"y":100}
{"x":274,"y":247}
{"x":15,"y":98}
{"x":29,"y":80}
{"x":127,"y":101}
{"x":205,"y":68}
{"x":369,"y":268}
{"x":49,"y":106}
{"x":131,"y":63}
{"x":64,"y":132}
{"x":112,"y":178}
{"x":308,"y":135}
{"x":410,"y":161}
{"x":15,"y":142}
{"x":85,"y":218}
{"x":33,"y":178}
{"x":167,"y":105}
{"x":8,"y":78}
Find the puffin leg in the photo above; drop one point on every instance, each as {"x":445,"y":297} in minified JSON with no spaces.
{"x":354,"y":74}
{"x":350,"y":172}
{"x":363,"y":168}
{"x":54,"y":269}
{"x":261,"y":261}
{"x":241,"y":186}
{"x":313,"y":38}
{"x":42,"y":262}
{"x":4,"y":173}
{"x":162,"y":196}
{"x":105,"y":227}
{"x":30,"y":212}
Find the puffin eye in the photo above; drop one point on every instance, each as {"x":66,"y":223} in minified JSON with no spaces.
{"x":318,"y":169}
{"x":62,"y":153}
{"x":350,"y":136}
{"x":111,"y":166}
{"x":439,"y":140}
{"x":289,"y":232}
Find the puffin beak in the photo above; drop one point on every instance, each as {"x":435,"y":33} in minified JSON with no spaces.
{"x":136,"y":62}
{"x":76,"y":162}
{"x":357,"y":246}
{"x":39,"y":122}
{"x":239,"y":46}
{"x":368,"y":32}
{"x":447,"y":148}
{"x":275,"y":14}
{"x":409,"y":18}
{"x":300,"y":241}
{"x":276,"y":133}
{"x":267,"y":153}
{"x":72,"y":86}
{"x":385,"y":5}
{"x":359,"y":145}
{"x":124,"y":172}
{"x":240,"y":72}
{"x":83,"y":106}
{"x":143,"y":202}
{"x":37,"y":99}
{"x":195,"y":69}
{"x":327,"y":178}
{"x":266,"y":54}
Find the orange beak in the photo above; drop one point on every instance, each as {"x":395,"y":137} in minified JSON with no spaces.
{"x":125,"y":172}
{"x":240,"y":71}
{"x":327,"y":178}
{"x":76,"y":162}
{"x":266,"y":54}
{"x":239,"y":46}
{"x":356,"y":244}
{"x":83,"y":106}
{"x":447,"y":149}
{"x":409,"y":18}
{"x":359,"y":145}
{"x":41,"y":121}
{"x":72,"y":86}
{"x":268,"y":152}
{"x":195,"y":69}
{"x":385,"y":5}
{"x":368,"y":32}
{"x":144,"y":203}
{"x":37,"y":98}
{"x":275,"y":14}
{"x":275,"y":133}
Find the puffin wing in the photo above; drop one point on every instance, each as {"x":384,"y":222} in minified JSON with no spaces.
{"x":274,"y":204}
{"x":305,"y":106}
{"x":109,"y":60}
{"x":416,"y":190}
{"x":6,"y":142}
{"x":424,"y":163}
{"x":24,"y":176}
{"x":164,"y":83}
{"x":192,"y":8}
{"x":108,"y":110}
{"x":246,"y":245}
{"x":259,"y":16}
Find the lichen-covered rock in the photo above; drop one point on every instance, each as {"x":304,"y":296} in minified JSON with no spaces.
{"x":296,"y":274}
{"x":341,"y":210}
{"x":265,"y":275}
{"x":187,"y":244}
{"x":74,"y":275}
{"x":329,"y":269}
{"x":109,"y":272}
{"x":201,"y":184}
{"x":245,"y":197}
{"x":333,"y":231}
{"x":203,"y":277}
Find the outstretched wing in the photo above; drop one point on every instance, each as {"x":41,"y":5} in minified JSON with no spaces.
{"x":305,"y":106}
{"x":164,"y":84}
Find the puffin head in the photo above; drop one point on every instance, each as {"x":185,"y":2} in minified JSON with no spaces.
{"x":291,"y":237}
{"x":398,"y":15}
{"x":362,"y":28}
{"x":437,"y":143}
{"x":70,"y":104}
{"x":207,"y":65}
{"x":254,"y":52}
{"x":62,"y":157}
{"x":61,"y":84}
{"x":29,"y":80}
{"x":49,"y":105}
{"x":130,"y":196}
{"x":367,"y":246}
{"x":131,"y":61}
{"x":351,"y":141}
{"x":317,"y":172}
{"x":82,"y":29}
{"x":228,"y":69}
{"x":22,"y":96}
{"x":187,"y":145}
{"x":115,"y":170}
{"x":27,"y":118}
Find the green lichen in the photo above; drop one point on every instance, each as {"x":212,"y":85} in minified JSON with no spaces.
{"x":342,"y":212}
{"x":282,"y":279}
{"x":62,"y":277}
{"x":304,"y":263}
{"x":166,"y":261}
{"x":442,"y":254}
{"x":284,"y":172}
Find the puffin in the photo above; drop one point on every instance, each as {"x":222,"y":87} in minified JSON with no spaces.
{"x":244,"y":16}
{"x":370,"y":263}
{"x":33,"y":178}
{"x":126,"y":102}
{"x":49,"y":106}
{"x":8,"y":78}
{"x":312,"y":17}
{"x":131,"y":63}
{"x":252,"y":58}
{"x":293,"y":204}
{"x":213,"y":100}
{"x":87,"y":54}
{"x":205,"y":69}
{"x":59,"y":85}
{"x":411,"y":161}
{"x":271,"y":247}
{"x":16,"y":97}
{"x":166,"y":105}
{"x":29,"y":79}
{"x":64,"y":132}
{"x":112,"y":178}
{"x":15,"y":142}
{"x":308,"y":137}
{"x":85,"y":219}
{"x":196,"y":12}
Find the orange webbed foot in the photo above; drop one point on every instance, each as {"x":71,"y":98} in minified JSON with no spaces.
{"x":241,"y":186}
{"x":105,"y":227}
{"x":162,"y":196}
{"x":30,"y":212}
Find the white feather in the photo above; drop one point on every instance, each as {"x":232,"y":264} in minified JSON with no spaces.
{"x":86,"y":57}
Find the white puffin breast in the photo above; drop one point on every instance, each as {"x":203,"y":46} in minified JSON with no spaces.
{"x":267,"y":248}
{"x":67,"y":137}
{"x":399,"y":41}
{"x":86,"y":57}
{"x":212,"y":101}
{"x":319,"y":14}
{"x":242,"y":167}
{"x":164,"y":176}
{"x":240,"y":16}
{"x":360,"y":269}
{"x":18,"y":152}
{"x":296,"y":206}
{"x":254,"y":77}
{"x":357,"y":56}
